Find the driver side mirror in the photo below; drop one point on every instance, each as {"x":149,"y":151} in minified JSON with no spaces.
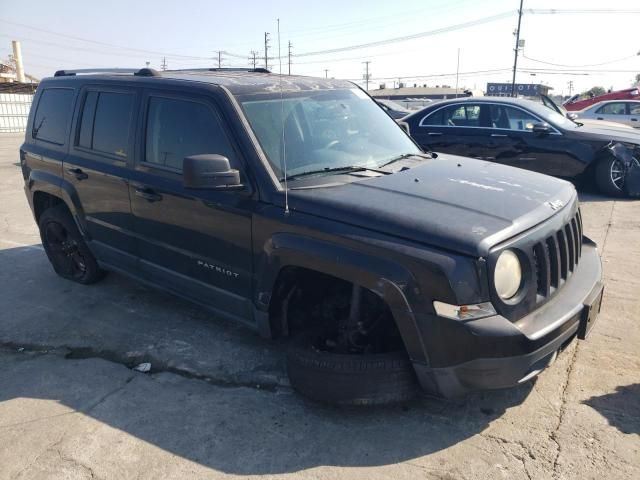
{"x":209,"y":171}
{"x":542,"y":128}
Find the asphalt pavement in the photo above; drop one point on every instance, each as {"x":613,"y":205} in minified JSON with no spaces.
{"x":217,"y":403}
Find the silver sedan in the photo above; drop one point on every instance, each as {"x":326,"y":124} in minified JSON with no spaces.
{"x":620,"y":111}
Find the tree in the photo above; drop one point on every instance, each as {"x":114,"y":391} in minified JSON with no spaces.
{"x":594,"y":92}
{"x":638,"y":79}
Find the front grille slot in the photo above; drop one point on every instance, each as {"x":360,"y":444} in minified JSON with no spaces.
{"x":556,"y":257}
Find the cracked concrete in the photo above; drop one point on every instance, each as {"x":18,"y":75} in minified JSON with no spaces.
{"x":217,"y":402}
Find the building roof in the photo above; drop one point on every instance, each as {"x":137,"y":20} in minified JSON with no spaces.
{"x":415,"y":91}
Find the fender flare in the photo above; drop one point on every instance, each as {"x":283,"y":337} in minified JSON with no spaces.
{"x":41,"y":181}
{"x":394,"y":283}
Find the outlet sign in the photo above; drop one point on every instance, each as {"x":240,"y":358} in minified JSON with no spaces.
{"x":501,"y":89}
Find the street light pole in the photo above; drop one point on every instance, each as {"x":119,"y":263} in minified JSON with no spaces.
{"x":515,"y":59}
{"x":457,"y":72}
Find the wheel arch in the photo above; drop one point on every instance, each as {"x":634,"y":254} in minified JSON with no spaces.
{"x":287,"y":255}
{"x":47,"y":190}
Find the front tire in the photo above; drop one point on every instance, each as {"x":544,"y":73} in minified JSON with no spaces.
{"x":66,"y":249}
{"x":349,"y":379}
{"x":609,"y":176}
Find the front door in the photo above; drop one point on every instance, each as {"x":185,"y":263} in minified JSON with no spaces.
{"x":513,"y":142}
{"x":97,"y":166}
{"x":194,"y":242}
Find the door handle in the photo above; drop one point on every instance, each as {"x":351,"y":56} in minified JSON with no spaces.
{"x":78,"y":173}
{"x":600,"y":118}
{"x":500,"y":135}
{"x":148,"y":194}
{"x":434,"y":133}
{"x":634,"y":119}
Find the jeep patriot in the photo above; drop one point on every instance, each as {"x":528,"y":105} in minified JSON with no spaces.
{"x":298,"y":206}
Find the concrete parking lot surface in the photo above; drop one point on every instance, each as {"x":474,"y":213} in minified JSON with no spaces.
{"x":217,"y":403}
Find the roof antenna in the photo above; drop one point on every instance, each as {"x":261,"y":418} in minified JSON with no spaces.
{"x":283,"y":152}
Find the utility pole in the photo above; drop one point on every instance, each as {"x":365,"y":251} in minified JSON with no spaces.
{"x":457,"y":72}
{"x":163,"y":65}
{"x":253,"y":58}
{"x":290,"y":45}
{"x":326,"y":73}
{"x":219,"y":52}
{"x":515,"y":59}
{"x":366,"y":74}
{"x":266,"y":50}
{"x":570,"y":87}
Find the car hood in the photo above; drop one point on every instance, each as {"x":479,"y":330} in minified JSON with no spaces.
{"x":451,"y":202}
{"x":608,"y":134}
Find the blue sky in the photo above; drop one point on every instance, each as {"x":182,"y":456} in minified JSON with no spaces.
{"x":189,"y":33}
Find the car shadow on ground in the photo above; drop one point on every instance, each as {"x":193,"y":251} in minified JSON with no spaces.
{"x":621,"y":408}
{"x":235,"y":428}
{"x":244,"y":431}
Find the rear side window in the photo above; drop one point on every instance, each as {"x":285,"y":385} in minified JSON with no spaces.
{"x":180,"y":128}
{"x":106,"y":121}
{"x":616,"y":108}
{"x":455,"y":116}
{"x":53,"y":115}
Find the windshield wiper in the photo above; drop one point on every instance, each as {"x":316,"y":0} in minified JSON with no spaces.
{"x":405,"y":156}
{"x":348,"y":169}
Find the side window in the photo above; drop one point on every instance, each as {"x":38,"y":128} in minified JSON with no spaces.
{"x":503,"y":116}
{"x":634,"y":109}
{"x":180,"y":128}
{"x":106,"y":122}
{"x":53,"y":115}
{"x":455,"y":116}
{"x":615,"y":108}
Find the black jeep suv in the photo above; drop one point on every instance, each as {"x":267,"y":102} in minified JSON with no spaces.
{"x":298,"y":206}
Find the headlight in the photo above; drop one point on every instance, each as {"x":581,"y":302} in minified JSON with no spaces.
{"x":507,"y":276}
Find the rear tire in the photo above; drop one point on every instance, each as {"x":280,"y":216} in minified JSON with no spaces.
{"x":609,"y":176}
{"x":66,"y":249}
{"x":343,"y":379}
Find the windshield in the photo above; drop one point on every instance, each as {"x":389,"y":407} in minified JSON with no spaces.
{"x":324,"y":130}
{"x":550,"y":116}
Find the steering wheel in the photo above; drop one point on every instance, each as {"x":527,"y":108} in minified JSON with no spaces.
{"x":332,"y":144}
{"x":450,"y":123}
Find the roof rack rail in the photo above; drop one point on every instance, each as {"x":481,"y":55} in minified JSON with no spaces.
{"x":140,"y":72}
{"x":222,"y":69}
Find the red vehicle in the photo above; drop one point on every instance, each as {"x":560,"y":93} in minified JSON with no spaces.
{"x":575,"y":103}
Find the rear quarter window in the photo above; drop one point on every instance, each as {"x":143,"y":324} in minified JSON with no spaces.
{"x":53,"y":114}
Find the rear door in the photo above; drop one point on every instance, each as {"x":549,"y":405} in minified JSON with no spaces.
{"x":98,"y":168}
{"x":633,"y":112}
{"x":196,"y":243}
{"x":455,"y":129}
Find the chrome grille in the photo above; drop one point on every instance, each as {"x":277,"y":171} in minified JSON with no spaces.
{"x":556,"y":257}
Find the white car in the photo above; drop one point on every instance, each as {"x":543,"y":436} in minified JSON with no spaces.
{"x":626,"y":112}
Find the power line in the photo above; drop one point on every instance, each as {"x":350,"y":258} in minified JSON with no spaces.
{"x":581,"y":66}
{"x":95,"y":42}
{"x":404,"y":38}
{"x":556,"y":11}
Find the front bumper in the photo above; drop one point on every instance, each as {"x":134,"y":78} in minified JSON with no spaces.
{"x":494,"y":352}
